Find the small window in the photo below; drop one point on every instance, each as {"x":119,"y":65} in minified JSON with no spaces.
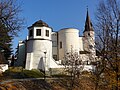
{"x":60,"y":44}
{"x":55,"y":57}
{"x":38,"y":32}
{"x":88,"y":34}
{"x":47,"y":33}
{"x":31,"y":33}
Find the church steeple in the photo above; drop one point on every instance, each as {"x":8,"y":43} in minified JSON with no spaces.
{"x":88,"y":24}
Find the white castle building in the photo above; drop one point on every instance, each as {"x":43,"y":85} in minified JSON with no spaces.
{"x":44,"y":48}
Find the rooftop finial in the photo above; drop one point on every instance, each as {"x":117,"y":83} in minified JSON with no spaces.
{"x":87,"y":10}
{"x":87,"y":7}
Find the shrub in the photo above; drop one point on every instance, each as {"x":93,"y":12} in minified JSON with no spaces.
{"x":19,"y":73}
{"x":33,"y":73}
{"x":15,"y":69}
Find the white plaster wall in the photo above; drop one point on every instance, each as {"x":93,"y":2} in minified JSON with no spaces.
{"x":43,"y":32}
{"x":21,"y":54}
{"x":36,"y":46}
{"x":3,"y":67}
{"x":53,"y":64}
{"x":54,"y":36}
{"x":54,"y":51}
{"x":70,"y":39}
{"x":39,"y":47}
{"x":29,"y":54}
{"x":81,"y":43}
{"x":29,"y":60}
{"x":35,"y":54}
{"x":61,"y":38}
{"x":29,"y":46}
{"x":54,"y":43}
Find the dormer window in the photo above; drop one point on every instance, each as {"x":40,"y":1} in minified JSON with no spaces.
{"x":47,"y":33}
{"x":31,"y":33}
{"x":38,"y":32}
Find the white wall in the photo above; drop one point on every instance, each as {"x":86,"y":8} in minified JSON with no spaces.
{"x":54,"y":43}
{"x":3,"y":67}
{"x":21,"y":54}
{"x":36,"y":46}
{"x":81,"y":43}
{"x":70,"y":39}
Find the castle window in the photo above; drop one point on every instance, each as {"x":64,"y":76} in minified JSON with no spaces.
{"x":88,"y":34}
{"x":47,"y":33}
{"x":31,"y":33}
{"x":38,"y":32}
{"x":55,"y":57}
{"x":60,"y":44}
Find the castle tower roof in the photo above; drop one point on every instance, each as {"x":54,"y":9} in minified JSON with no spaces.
{"x":88,"y":23}
{"x":39,"y":23}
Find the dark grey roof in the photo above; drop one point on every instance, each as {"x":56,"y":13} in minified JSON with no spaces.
{"x":88,"y":23}
{"x":39,"y":23}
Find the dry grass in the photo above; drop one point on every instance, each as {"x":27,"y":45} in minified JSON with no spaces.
{"x":51,"y":84}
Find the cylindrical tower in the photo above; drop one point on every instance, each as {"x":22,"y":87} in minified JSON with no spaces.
{"x":39,"y":46}
{"x":68,"y":39}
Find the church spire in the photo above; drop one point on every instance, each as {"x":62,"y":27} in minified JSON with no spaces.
{"x":88,"y":24}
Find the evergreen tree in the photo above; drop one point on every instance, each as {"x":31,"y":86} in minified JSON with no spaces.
{"x":10,"y":25}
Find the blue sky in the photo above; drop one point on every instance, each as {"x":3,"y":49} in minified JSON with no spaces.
{"x":57,"y":14}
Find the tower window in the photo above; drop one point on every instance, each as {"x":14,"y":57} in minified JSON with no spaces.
{"x":47,"y":33}
{"x":55,"y":57}
{"x":88,"y":34}
{"x":60,"y":44}
{"x":31,"y":33}
{"x":38,"y":32}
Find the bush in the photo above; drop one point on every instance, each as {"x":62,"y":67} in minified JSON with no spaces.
{"x":15,"y":69}
{"x":19,"y":73}
{"x":33,"y":73}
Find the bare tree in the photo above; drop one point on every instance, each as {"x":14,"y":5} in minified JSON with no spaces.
{"x":9,"y":16}
{"x":10,"y":23}
{"x":108,"y":31}
{"x":73,"y":66}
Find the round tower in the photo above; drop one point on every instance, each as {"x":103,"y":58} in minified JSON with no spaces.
{"x":38,"y":46}
{"x":68,"y":39}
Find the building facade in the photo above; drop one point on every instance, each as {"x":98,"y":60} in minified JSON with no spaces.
{"x":44,"y":48}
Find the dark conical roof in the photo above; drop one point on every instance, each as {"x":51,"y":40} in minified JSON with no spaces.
{"x":39,"y":23}
{"x":88,"y":23}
